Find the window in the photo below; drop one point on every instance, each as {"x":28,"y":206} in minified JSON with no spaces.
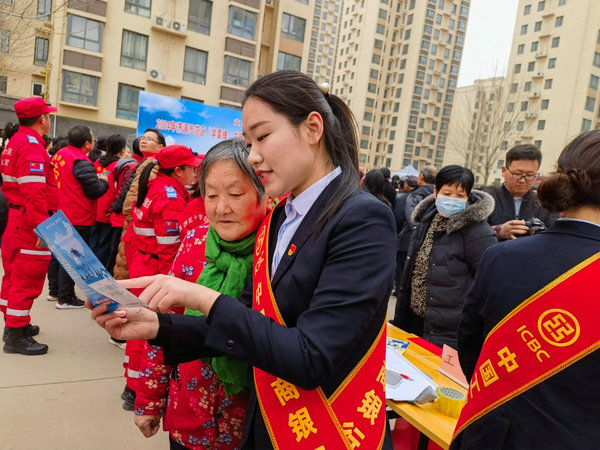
{"x":242,"y":23}
{"x":527,"y":10}
{"x":531,"y":66}
{"x":524,"y":106}
{"x":586,"y":125}
{"x":537,"y":26}
{"x":538,"y":144}
{"x":597,"y":59}
{"x":4,"y":40}
{"x":511,"y":107}
{"x":534,"y":46}
{"x":79,"y":88}
{"x":541,"y":5}
{"x":562,"y":2}
{"x":520,"y":125}
{"x":517,"y":68}
{"x":380,"y":29}
{"x":285,"y":61}
{"x":368,"y":116}
{"x":376,"y":59}
{"x":127,"y":101}
{"x":382,"y":13}
{"x":139,"y":7}
{"x":559,"y":21}
{"x":199,"y":16}
{"x":590,"y":104}
{"x":555,"y":42}
{"x":548,"y":84}
{"x":523,"y":29}
{"x":513,"y":88}
{"x":84,"y":33}
{"x":134,"y":50}
{"x":3,"y":80}
{"x":545,"y":104}
{"x":520,"y":49}
{"x":44,"y":10}
{"x":41,"y":51}
{"x":594,"y":82}
{"x":527,"y":86}
{"x":292,"y":27}
{"x":541,"y":124}
{"x":378,"y":44}
{"x":194,"y":66}
{"x":237,"y":71}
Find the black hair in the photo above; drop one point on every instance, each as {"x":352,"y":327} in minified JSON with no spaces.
{"x":58,"y":143}
{"x":455,"y":176}
{"x":385,"y":172}
{"x":295,"y":95}
{"x":79,"y":135}
{"x":374,"y":183}
{"x":145,"y":179}
{"x":28,"y":121}
{"x":135,"y":147}
{"x":527,"y":152}
{"x":159,"y":135}
{"x":115,"y":143}
{"x":10,"y":129}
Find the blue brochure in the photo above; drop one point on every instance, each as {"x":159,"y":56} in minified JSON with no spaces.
{"x":81,"y":264}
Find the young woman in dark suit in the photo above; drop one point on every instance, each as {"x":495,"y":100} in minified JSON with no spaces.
{"x":330,"y":255}
{"x":562,"y":408}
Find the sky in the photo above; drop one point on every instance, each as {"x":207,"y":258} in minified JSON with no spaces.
{"x":488,"y":40}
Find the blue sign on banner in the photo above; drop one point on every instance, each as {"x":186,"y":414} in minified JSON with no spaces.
{"x":184,"y":122}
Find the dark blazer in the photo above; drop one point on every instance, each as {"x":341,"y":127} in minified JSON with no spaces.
{"x":564,"y":410}
{"x":505,"y":208}
{"x":332,"y":294}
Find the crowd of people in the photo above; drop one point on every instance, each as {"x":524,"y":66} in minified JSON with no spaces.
{"x":268,"y":263}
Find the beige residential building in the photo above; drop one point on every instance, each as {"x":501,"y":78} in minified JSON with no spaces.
{"x":397,"y":68}
{"x":555,"y":57}
{"x":100,"y":54}
{"x":324,"y":40}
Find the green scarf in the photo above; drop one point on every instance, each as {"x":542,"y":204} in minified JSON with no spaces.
{"x":229,"y":267}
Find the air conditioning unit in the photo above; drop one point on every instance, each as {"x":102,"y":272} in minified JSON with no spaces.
{"x":270,"y":2}
{"x":38,"y":89}
{"x":531,"y":115}
{"x":155,"y":74}
{"x":540,"y":54}
{"x":160,"y":21}
{"x":178,"y":26}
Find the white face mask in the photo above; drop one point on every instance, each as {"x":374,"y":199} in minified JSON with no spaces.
{"x":448,"y":206}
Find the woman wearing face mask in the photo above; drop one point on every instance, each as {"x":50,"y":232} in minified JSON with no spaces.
{"x":450,"y":235}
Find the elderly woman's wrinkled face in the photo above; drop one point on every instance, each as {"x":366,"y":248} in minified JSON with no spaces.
{"x":231,"y":202}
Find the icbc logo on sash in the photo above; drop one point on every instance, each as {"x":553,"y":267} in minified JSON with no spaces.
{"x":559,"y":327}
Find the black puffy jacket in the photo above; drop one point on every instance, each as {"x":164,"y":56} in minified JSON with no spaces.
{"x":453,"y":263}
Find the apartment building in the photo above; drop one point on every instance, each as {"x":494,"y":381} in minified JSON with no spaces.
{"x":397,"y":68}
{"x":91,"y":58}
{"x":555,"y":58}
{"x":324,"y":40}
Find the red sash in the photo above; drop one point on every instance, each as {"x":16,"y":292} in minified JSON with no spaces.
{"x":548,"y":332}
{"x":354,"y":416}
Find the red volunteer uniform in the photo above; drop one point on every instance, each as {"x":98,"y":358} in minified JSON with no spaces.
{"x":104,"y":203}
{"x":78,"y":207}
{"x":30,"y":189}
{"x":156,"y":239}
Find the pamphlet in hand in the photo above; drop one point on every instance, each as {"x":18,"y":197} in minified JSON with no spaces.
{"x":81,"y":264}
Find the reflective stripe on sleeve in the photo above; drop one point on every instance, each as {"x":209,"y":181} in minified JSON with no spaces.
{"x":133,"y":373}
{"x":144,"y":231}
{"x":17,"y":312}
{"x":166,"y":240}
{"x":31,"y":179}
{"x":35,"y":252}
{"x":9,"y":178}
{"x":3,"y":302}
{"x":126,"y":359}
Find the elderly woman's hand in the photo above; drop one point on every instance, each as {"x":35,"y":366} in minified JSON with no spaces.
{"x":126,"y":323}
{"x":162,"y":292}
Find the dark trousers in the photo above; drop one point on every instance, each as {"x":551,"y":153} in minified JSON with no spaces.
{"x":53,"y":269}
{"x":100,"y":241}
{"x":115,"y":238}
{"x":66,"y":286}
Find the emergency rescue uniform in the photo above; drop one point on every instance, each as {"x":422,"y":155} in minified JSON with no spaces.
{"x":101,"y":231}
{"x":156,"y":239}
{"x":30,"y":189}
{"x":78,"y":189}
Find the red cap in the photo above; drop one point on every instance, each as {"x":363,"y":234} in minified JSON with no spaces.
{"x":32,"y":107}
{"x":177,"y":155}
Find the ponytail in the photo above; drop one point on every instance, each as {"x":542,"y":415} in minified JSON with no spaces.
{"x":143,"y":183}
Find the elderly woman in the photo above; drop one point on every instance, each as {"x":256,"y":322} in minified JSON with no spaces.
{"x":207,"y":400}
{"x":450,"y":235}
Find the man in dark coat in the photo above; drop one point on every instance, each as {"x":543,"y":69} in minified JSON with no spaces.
{"x":515,"y":200}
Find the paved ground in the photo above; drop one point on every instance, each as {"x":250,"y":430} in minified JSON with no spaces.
{"x":70,"y":397}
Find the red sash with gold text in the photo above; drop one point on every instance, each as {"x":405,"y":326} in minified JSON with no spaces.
{"x":548,"y":332}
{"x":296,"y":418}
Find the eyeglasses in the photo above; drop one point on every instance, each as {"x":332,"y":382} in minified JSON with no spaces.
{"x":144,"y":138}
{"x":520,"y":177}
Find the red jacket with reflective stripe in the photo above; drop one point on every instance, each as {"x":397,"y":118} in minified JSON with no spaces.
{"x":78,"y":207}
{"x":156,"y":223}
{"x":27,"y":177}
{"x":104,"y":203}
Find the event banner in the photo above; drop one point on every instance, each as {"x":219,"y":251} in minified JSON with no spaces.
{"x":185,"y":122}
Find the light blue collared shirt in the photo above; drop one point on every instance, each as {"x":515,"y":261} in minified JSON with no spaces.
{"x":295,"y":211}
